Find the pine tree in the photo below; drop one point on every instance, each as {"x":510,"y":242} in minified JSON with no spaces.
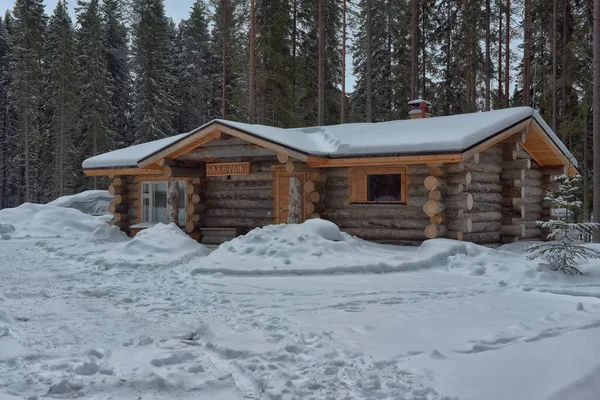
{"x":196,"y":73}
{"x":116,"y":47}
{"x":564,"y":254}
{"x":154,"y":104}
{"x":596,"y":113}
{"x":6,"y":128}
{"x":27,"y":83}
{"x":93,"y":137}
{"x":61,"y":101}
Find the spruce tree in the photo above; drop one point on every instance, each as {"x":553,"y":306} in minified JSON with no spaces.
{"x":154,"y":105}
{"x":116,"y":47}
{"x":6,"y":131}
{"x":27,"y":84}
{"x":61,"y":102}
{"x":196,"y":74}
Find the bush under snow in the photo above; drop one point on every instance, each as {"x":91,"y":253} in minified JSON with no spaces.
{"x":94,"y":202}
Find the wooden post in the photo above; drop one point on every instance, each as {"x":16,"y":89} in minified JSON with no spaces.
{"x":295,"y":201}
{"x":173,"y":202}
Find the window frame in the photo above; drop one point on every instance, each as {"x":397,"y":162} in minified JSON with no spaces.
{"x":141,"y":196}
{"x":359,"y":182}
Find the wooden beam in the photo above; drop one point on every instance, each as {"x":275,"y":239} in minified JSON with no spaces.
{"x":321,"y":162}
{"x":121,"y":171}
{"x":496,"y":139}
{"x":175,"y":172}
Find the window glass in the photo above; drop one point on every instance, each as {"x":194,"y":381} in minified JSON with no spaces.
{"x":154,"y":202}
{"x":384,"y":187}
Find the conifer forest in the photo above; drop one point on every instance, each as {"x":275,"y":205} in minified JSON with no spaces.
{"x":121,"y":72}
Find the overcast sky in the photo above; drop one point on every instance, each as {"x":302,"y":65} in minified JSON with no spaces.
{"x":177,"y":9}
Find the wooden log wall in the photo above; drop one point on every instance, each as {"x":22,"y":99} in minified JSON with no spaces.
{"x":125,"y":202}
{"x":522,"y":192}
{"x":477,"y":218}
{"x":241,"y":201}
{"x":383,"y":223}
{"x":195,"y":209}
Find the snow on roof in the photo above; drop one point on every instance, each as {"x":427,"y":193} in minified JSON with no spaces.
{"x":450,"y":134}
{"x":128,"y":157}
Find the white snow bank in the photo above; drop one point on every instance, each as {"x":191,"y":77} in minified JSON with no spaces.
{"x":94,"y":202}
{"x":44,"y":221}
{"x":318,"y":247}
{"x":161,"y":244}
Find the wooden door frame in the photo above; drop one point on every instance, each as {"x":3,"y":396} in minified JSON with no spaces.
{"x":279,"y":171}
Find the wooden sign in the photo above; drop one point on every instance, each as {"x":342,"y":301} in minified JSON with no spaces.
{"x":223,"y":169}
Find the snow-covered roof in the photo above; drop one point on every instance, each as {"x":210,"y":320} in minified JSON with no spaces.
{"x":438,"y":135}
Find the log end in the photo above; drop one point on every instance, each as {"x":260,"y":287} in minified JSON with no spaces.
{"x":431,"y":231}
{"x":431,"y":207}
{"x":431,"y":183}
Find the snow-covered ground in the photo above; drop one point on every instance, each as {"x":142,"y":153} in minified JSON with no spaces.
{"x":286,"y":312}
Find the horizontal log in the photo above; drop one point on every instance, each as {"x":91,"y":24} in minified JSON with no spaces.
{"x":519,"y":137}
{"x":459,"y":202}
{"x":510,"y":239}
{"x":510,"y":154}
{"x":475,"y":216}
{"x":112,"y":189}
{"x":191,"y":226}
{"x":497,"y":149}
{"x":236,"y":222}
{"x":120,"y":181}
{"x":283,"y":157}
{"x":531,"y":209}
{"x":436,"y":219}
{"x":121,"y":217}
{"x":432,"y":182}
{"x":367,"y":211}
{"x":432,"y":207}
{"x":238,"y":194}
{"x":386,"y":234}
{"x":490,"y":158}
{"x":519,"y":183}
{"x":254,"y":176}
{"x":238,"y":213}
{"x":314,"y":197}
{"x":479,"y":187}
{"x":454,"y":235}
{"x":434,"y":231}
{"x":479,"y":207}
{"x":532,"y":233}
{"x":534,"y":191}
{"x":238,"y":185}
{"x":533,"y":174}
{"x":517,"y":164}
{"x":434,"y":195}
{"x":191,"y":208}
{"x":419,"y":169}
{"x":482,"y":238}
{"x":554,"y":171}
{"x":513,"y":192}
{"x":215,"y":240}
{"x":523,"y":200}
{"x":513,"y":220}
{"x":178,"y":172}
{"x":474,"y":167}
{"x":193,"y":189}
{"x":242,"y":204}
{"x":523,"y":155}
{"x":398,"y":223}
{"x":461,"y":177}
{"x":518,"y":174}
{"x":479,"y":227}
{"x":233,"y":151}
{"x":484,"y":177}
{"x":513,"y":230}
{"x":125,"y":198}
{"x":452,"y":188}
{"x":118,"y":208}
{"x":460,"y":225}
{"x":487,"y":197}
{"x":196,"y":198}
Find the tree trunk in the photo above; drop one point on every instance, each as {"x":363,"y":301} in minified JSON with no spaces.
{"x":414,"y":93}
{"x":224,"y":31}
{"x":295,"y":201}
{"x":527,"y":56}
{"x":343,"y":99}
{"x":252,"y":72}
{"x":500,"y":39}
{"x":488,"y":67}
{"x":554,"y":66}
{"x":507,"y":58}
{"x":173,"y":202}
{"x":369,"y":57}
{"x":596,"y":114}
{"x":321,"y":89}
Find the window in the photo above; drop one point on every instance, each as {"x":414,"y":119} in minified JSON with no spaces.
{"x":385,"y":188}
{"x":154,"y":201}
{"x":378,"y":185}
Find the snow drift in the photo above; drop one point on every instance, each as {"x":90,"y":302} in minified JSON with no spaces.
{"x":94,"y":202}
{"x":47,"y":221}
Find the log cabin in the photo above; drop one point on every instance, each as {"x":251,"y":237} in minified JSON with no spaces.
{"x":478,"y":177}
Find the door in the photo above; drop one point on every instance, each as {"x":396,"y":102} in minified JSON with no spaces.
{"x":282,"y":195}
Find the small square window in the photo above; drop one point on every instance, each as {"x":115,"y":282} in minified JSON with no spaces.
{"x":384,"y":188}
